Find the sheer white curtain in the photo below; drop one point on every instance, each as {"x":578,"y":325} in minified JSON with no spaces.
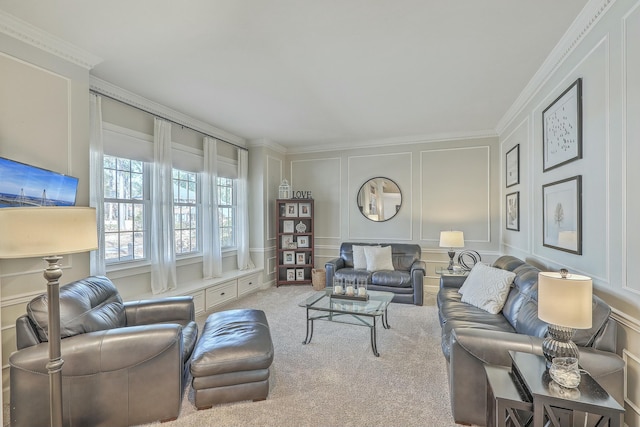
{"x":96,"y":182}
{"x":211,"y":250}
{"x":244,"y":257}
{"x":163,"y":256}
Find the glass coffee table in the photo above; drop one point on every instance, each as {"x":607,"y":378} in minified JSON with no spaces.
{"x":322,"y":306}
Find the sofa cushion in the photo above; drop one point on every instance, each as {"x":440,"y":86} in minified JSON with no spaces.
{"x":487,"y":287}
{"x":395,"y":279}
{"x":378,"y":258}
{"x":359,"y":258}
{"x":87,"y":305}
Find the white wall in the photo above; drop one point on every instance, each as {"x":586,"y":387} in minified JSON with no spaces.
{"x":605,"y":52}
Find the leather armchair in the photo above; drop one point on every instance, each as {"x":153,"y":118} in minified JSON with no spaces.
{"x":124,"y":363}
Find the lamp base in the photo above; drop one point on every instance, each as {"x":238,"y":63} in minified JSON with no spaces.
{"x":451,"y":255}
{"x":558,"y":343}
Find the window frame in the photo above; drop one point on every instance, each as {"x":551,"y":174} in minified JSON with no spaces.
{"x":197,"y":205}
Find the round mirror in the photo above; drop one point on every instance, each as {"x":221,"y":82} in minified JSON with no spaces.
{"x":379,"y":199}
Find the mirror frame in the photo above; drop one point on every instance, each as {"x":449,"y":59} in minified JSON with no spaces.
{"x":359,"y":197}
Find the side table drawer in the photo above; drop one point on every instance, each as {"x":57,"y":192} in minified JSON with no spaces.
{"x":248,"y":284}
{"x":221,"y":293}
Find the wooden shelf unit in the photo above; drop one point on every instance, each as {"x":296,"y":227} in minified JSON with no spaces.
{"x":294,"y":225}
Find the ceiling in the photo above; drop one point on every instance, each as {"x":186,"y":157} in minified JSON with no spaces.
{"x":312,"y":73}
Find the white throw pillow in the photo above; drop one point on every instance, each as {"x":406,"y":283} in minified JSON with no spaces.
{"x":359,"y":258}
{"x":378,"y":258}
{"x":487,"y":287}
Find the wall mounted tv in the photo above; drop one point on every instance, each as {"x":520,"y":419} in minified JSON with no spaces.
{"x":25,"y":185}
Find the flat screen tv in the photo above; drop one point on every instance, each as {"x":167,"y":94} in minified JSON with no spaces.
{"x":25,"y":185}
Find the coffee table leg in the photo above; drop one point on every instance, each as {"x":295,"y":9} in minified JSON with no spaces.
{"x":385,"y":320}
{"x":307,"y":339}
{"x":374,"y":343}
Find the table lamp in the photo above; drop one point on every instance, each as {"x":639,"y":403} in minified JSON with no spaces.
{"x":565,"y":303}
{"x":451,"y":239}
{"x":49,"y":232}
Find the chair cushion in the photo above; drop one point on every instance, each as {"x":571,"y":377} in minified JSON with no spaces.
{"x":395,"y":279}
{"x":87,"y":305}
{"x":487,"y":287}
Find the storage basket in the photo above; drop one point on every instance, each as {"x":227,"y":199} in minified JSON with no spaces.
{"x":318,"y":278}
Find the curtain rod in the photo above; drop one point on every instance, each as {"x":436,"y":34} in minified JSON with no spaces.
{"x":167,"y":119}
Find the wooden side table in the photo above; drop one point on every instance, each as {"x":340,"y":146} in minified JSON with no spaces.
{"x":507,"y":404}
{"x":557,"y":406}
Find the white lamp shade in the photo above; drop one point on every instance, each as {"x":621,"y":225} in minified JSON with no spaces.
{"x":45,"y":231}
{"x":565,"y":301}
{"x":451,"y":239}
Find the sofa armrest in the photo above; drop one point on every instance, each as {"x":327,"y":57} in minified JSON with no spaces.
{"x":163,"y":310}
{"x":473,"y":348}
{"x":331,"y":267}
{"x":452,"y":281}
{"x":418,"y":271}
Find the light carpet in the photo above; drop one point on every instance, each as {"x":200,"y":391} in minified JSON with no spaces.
{"x":336,"y":380}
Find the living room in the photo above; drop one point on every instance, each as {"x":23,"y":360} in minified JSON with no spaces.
{"x":448,"y":180}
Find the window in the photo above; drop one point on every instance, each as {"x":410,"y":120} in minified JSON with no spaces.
{"x":227,"y":211}
{"x":124,"y":209}
{"x":185,"y":211}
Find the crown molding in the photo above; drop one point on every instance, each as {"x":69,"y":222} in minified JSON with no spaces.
{"x":27,"y":33}
{"x":579,"y":28}
{"x":263,"y":142}
{"x":395,"y":141}
{"x":119,"y":94}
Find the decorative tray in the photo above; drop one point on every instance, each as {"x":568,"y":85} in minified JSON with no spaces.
{"x":351,"y":297}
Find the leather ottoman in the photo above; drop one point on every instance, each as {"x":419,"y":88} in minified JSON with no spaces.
{"x":232,"y":357}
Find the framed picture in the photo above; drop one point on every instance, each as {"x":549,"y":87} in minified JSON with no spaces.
{"x":303,"y":241}
{"x":562,"y":215}
{"x":291,"y":209}
{"x":299,"y":273}
{"x":287,"y":226}
{"x":288,"y":257}
{"x":513,"y":211}
{"x":304,"y":209}
{"x":512,"y":169}
{"x":291,"y":274}
{"x":562,"y":128}
{"x":288,"y":242}
{"x":300,"y":258}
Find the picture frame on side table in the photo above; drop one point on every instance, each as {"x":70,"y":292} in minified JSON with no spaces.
{"x":288,"y":257}
{"x":512,"y":203}
{"x":562,"y":215}
{"x":512,"y":167}
{"x":299,"y":273}
{"x":303,"y":241}
{"x":304,"y":210}
{"x":291,"y":210}
{"x":562,"y":128}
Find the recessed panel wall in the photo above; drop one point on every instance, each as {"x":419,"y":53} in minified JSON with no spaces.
{"x":455,"y":193}
{"x":323,"y":178}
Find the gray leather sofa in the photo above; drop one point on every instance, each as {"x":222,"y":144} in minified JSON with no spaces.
{"x":405,"y":281}
{"x":472,"y":337}
{"x":124,"y":363}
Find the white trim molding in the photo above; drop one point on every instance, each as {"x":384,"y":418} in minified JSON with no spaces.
{"x":27,"y":33}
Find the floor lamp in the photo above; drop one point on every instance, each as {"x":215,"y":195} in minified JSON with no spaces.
{"x":49,"y":232}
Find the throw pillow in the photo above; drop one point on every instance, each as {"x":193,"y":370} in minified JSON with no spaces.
{"x":378,"y":258}
{"x":487,"y":287}
{"x":359,"y":258}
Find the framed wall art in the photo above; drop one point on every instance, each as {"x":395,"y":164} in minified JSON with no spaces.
{"x":562,"y":128}
{"x":513,"y":211}
{"x":512,"y":168}
{"x":562,"y":215}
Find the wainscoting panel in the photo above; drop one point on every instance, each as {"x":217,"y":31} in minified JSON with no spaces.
{"x":467,"y":208}
{"x":274,"y":178}
{"x":631,"y":148}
